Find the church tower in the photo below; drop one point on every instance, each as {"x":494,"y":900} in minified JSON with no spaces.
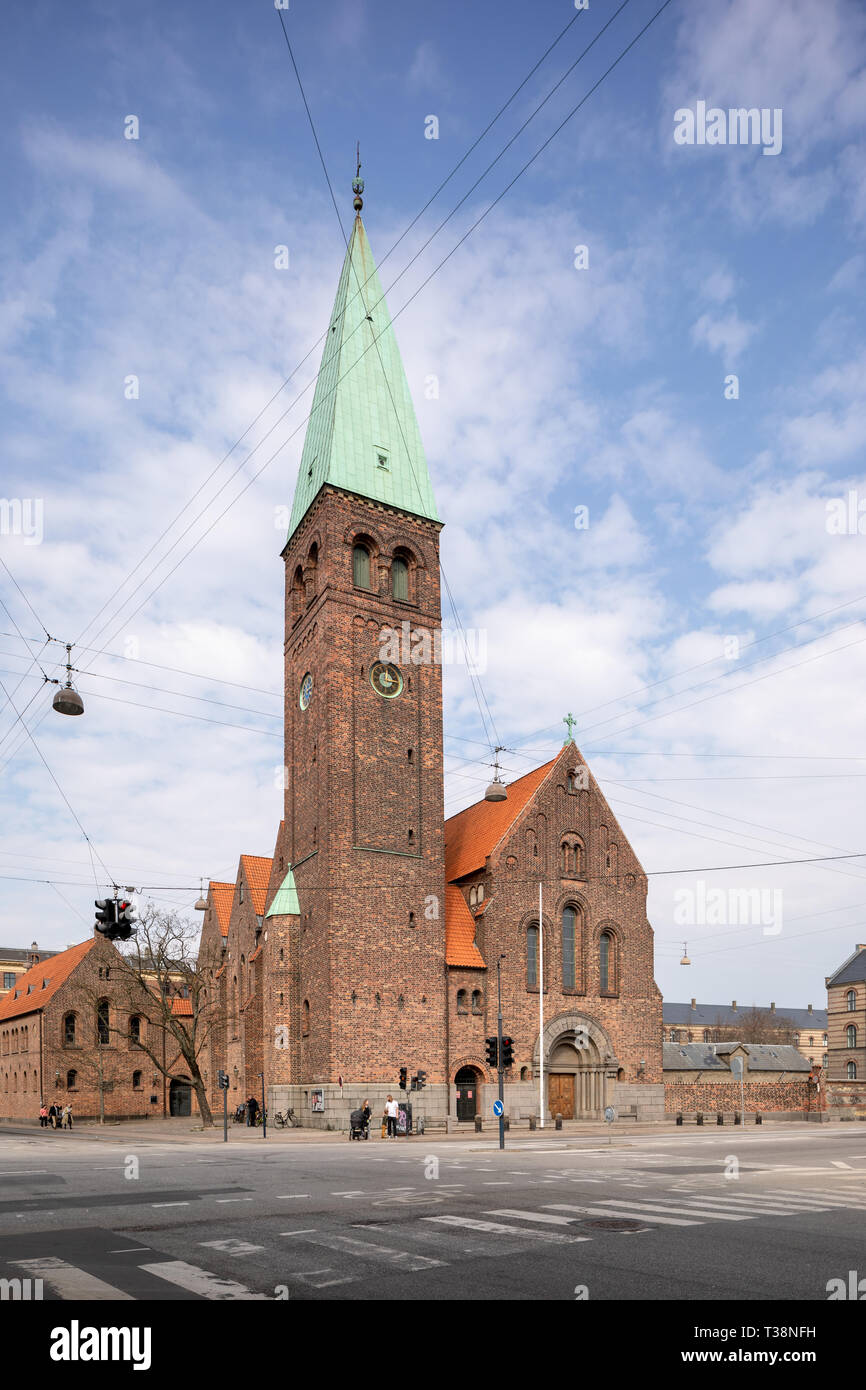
{"x":363,"y":834}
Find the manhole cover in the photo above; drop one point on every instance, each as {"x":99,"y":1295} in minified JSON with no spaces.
{"x":613,"y":1223}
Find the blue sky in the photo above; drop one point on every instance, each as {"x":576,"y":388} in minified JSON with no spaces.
{"x":557,"y":387}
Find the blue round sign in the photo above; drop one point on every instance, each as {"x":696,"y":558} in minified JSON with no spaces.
{"x":498,"y":1107}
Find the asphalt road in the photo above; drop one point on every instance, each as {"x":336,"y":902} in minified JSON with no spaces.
{"x":685,"y":1216}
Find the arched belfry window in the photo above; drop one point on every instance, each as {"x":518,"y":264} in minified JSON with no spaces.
{"x":570,"y":920}
{"x":607,"y":963}
{"x":361,"y":567}
{"x":400,"y":579}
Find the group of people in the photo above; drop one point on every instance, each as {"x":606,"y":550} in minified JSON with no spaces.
{"x":57,"y":1116}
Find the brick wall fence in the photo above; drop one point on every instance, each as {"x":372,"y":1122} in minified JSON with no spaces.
{"x":714,"y":1096}
{"x":845,"y":1096}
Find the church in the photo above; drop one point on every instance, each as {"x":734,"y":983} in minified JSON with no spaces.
{"x":376,"y":936}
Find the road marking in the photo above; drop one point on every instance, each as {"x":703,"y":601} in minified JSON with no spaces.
{"x":836,"y":1199}
{"x":70,"y":1282}
{"x":232,"y":1246}
{"x":499,"y":1228}
{"x":358,"y":1193}
{"x":288,"y":1196}
{"x":534,"y":1216}
{"x":22,"y":1172}
{"x":498,"y":1182}
{"x":169,"y":1204}
{"x":200,"y":1281}
{"x":666,"y":1210}
{"x":837,"y":1163}
{"x":321,"y":1283}
{"x":130,"y":1249}
{"x":645,"y":1216}
{"x":223,"y":1199}
{"x":403,"y":1259}
{"x":307,"y":1231}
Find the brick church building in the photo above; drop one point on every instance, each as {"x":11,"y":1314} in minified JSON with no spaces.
{"x":370,"y":940}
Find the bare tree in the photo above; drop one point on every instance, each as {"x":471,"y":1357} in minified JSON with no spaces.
{"x":161,"y":966}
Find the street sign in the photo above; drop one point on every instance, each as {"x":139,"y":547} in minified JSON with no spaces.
{"x":498,"y":1107}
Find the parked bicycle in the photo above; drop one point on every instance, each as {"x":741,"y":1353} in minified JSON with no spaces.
{"x":286,"y":1119}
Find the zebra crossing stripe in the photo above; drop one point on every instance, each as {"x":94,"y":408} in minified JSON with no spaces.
{"x":401,"y":1259}
{"x":541,"y":1216}
{"x":200,"y":1281}
{"x":647,"y":1217}
{"x":70,"y":1282}
{"x":658,"y":1207}
{"x":469,"y":1223}
{"x":835,"y":1199}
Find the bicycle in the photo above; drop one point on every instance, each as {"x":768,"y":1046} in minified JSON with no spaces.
{"x":286,"y":1119}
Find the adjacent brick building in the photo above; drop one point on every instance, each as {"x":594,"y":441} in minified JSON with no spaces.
{"x":846,"y":1019}
{"x":375,"y":943}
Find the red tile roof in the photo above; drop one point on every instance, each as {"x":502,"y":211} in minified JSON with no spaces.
{"x":221,"y":895}
{"x":460,"y":948}
{"x":258,"y":874}
{"x":56,"y":971}
{"x":473,"y":834}
{"x":183,"y":1007}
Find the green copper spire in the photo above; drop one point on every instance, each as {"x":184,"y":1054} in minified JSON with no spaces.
{"x":362,"y":435}
{"x":286,"y":898}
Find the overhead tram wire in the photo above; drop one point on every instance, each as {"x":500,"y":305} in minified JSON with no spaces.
{"x":409,"y":301}
{"x":323,"y":337}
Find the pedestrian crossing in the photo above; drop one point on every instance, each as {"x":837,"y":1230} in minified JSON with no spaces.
{"x":326,"y":1261}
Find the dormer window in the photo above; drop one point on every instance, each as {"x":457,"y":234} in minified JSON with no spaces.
{"x":382,"y":459}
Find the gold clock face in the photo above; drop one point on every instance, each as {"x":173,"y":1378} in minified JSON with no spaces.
{"x":306,"y":692}
{"x":386,"y":679}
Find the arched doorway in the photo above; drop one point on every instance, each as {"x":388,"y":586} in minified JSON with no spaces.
{"x":578,"y":1059}
{"x":180,"y":1097}
{"x":467,"y":1082}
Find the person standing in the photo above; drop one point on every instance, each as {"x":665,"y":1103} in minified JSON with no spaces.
{"x":67,"y":1116}
{"x":43,"y":1115}
{"x":391,"y":1111}
{"x":52,"y":1115}
{"x":252,"y":1110}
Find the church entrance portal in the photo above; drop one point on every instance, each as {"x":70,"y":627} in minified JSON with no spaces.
{"x":560,"y":1094}
{"x":466,"y":1082}
{"x":179,"y":1098}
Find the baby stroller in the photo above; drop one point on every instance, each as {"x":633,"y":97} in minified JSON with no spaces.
{"x":359,"y":1125}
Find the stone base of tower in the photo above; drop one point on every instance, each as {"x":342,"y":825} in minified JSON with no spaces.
{"x":645,"y":1102}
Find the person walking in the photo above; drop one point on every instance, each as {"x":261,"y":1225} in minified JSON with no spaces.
{"x":391,"y":1112}
{"x":52,"y":1115}
{"x":67,"y":1116}
{"x":43,"y":1115}
{"x":252,"y":1110}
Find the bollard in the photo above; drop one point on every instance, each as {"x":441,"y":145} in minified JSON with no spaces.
{"x":758,"y":1120}
{"x":477,"y":1124}
{"x":737,"y":1117}
{"x":699,"y":1119}
{"x":720,"y":1119}
{"x":558,"y":1122}
{"x":419,"y":1128}
{"x":679,"y":1118}
{"x":532,"y":1122}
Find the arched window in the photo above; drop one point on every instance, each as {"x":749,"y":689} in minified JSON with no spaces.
{"x":462,"y":1006}
{"x":479,"y":893}
{"x":71,"y":1079}
{"x":102,"y":1022}
{"x":69,"y":1030}
{"x":473,"y":896}
{"x":476,"y":1001}
{"x":852,"y":1071}
{"x":135,"y":1029}
{"x":361,"y":567}
{"x":305,"y":1024}
{"x":850,"y":1036}
{"x":569,"y":942}
{"x":532,"y":958}
{"x":400,"y":579}
{"x":136,"y":1080}
{"x":312,"y":569}
{"x":851,"y":1000}
{"x":298,"y":593}
{"x":606,"y":963}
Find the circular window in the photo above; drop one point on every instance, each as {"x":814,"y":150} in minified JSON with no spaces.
{"x":386,"y":679}
{"x":306,"y":691}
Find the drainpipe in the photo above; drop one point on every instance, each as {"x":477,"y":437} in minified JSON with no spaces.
{"x":447,"y":1044}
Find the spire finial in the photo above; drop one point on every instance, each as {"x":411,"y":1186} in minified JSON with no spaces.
{"x":358,"y":182}
{"x":571,"y":722}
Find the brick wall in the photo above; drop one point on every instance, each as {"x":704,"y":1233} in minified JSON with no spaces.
{"x":711,"y":1097}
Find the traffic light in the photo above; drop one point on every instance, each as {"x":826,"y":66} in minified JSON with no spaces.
{"x":492,"y":1048}
{"x":106,"y":919}
{"x":403,"y":1075}
{"x":223,"y":1078}
{"x":421,"y":1080}
{"x":125,"y":920}
{"x":413,"y":1085}
{"x":507,"y":1052}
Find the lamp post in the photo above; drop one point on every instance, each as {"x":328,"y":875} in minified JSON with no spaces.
{"x":540,"y":1009}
